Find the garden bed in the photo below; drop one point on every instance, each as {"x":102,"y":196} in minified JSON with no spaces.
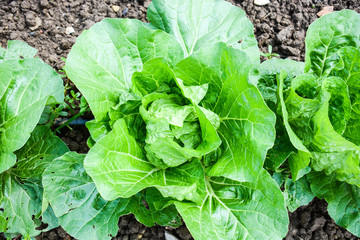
{"x":52,"y":27}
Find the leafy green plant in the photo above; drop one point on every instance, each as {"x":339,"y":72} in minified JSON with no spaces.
{"x":318,"y":134}
{"x":27,"y":86}
{"x":176,"y":118}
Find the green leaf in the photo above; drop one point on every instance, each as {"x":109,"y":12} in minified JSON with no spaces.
{"x":105,"y":57}
{"x":297,"y":193}
{"x":265,"y":77}
{"x":350,"y":73}
{"x":167,"y":120}
{"x":198,"y":24}
{"x":97,"y":129}
{"x":302,"y":102}
{"x":80,"y":209}
{"x":38,"y":153}
{"x":162,"y":208}
{"x":128,"y":109}
{"x":17,"y":50}
{"x":331,"y":152}
{"x":301,"y":158}
{"x":343,"y":199}
{"x":118,"y":166}
{"x":21,"y":192}
{"x":2,"y":53}
{"x":246,"y":123}
{"x":26,"y":86}
{"x":235,"y":210}
{"x":155,"y":74}
{"x":326,"y":36}
{"x":49,"y":218}
{"x":21,"y":201}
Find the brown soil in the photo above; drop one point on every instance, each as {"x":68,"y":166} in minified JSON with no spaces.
{"x":52,"y":27}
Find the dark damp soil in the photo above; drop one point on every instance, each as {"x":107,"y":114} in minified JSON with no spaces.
{"x":52,"y":27}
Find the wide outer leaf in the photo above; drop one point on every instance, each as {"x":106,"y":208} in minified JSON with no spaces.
{"x":343,"y":199}
{"x":21,"y":193}
{"x":81,"y":211}
{"x":197,"y":23}
{"x":104,"y":58}
{"x":326,"y":36}
{"x":119,"y":168}
{"x":235,"y":210}
{"x":26,"y":86}
{"x":246,"y":123}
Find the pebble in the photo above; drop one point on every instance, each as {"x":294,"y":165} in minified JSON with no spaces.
{"x":261,"y":2}
{"x":37,"y":24}
{"x":115,"y":8}
{"x":69,"y":30}
{"x":169,"y":236}
{"x":64,"y":45}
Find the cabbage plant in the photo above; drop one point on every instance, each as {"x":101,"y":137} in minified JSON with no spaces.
{"x":317,"y":106}
{"x":27,"y":85}
{"x":177,"y":124}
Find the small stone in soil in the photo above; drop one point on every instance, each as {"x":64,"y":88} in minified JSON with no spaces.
{"x":115,"y":8}
{"x":69,"y":30}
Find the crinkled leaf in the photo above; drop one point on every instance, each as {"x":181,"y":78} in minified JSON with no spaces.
{"x":331,"y":152}
{"x":246,"y":123}
{"x":265,"y":77}
{"x":326,"y":36}
{"x":297,"y":193}
{"x":154,"y":76}
{"x":104,"y":58}
{"x":235,"y":210}
{"x":26,"y":86}
{"x":165,"y":120}
{"x":350,"y":73}
{"x":343,"y":199}
{"x":118,"y":166}
{"x":196,"y":24}
{"x":302,"y":102}
{"x":301,"y":158}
